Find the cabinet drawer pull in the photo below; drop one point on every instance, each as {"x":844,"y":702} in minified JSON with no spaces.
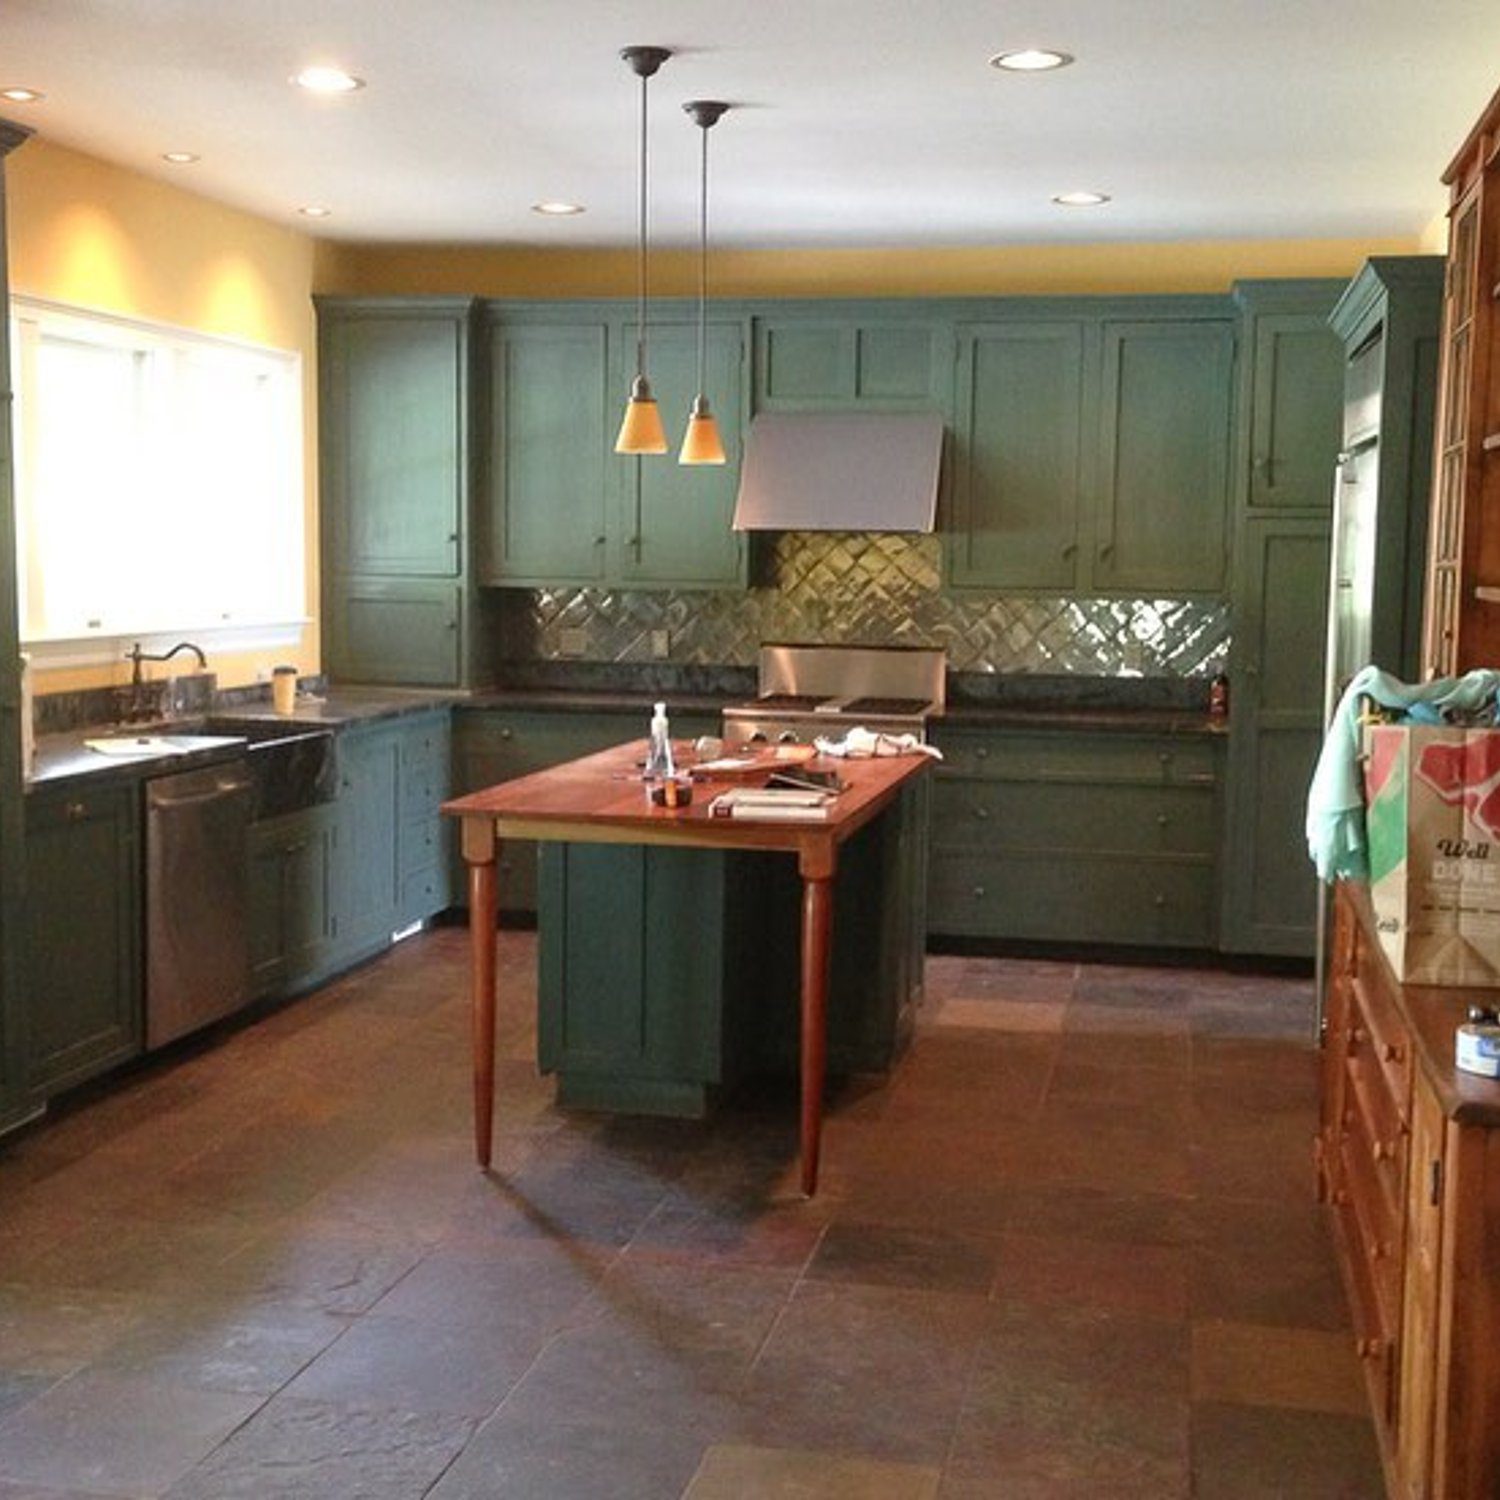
{"x":77,"y":811}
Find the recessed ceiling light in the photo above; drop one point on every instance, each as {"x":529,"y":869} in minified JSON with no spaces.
{"x":314,"y":211}
{"x":1031,"y":60}
{"x":555,"y":208}
{"x":321,"y":79}
{"x":1080,"y":200}
{"x":181,"y":158}
{"x":22,"y":96}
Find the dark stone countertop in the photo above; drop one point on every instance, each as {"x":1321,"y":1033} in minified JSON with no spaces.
{"x":1057,"y":717}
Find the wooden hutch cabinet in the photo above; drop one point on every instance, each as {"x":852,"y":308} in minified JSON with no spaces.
{"x":1462,"y":625}
{"x":1409,"y":1162}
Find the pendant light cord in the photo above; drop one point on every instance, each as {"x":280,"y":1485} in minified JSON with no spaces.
{"x":702,"y":259}
{"x":640,"y":319}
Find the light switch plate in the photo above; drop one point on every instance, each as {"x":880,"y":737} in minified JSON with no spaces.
{"x":573,"y":640}
{"x":661,"y":644}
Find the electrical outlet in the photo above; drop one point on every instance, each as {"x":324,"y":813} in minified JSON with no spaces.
{"x":661,"y":644}
{"x":573,"y":640}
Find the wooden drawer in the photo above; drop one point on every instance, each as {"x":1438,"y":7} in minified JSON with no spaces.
{"x":984,"y":814}
{"x":1097,"y":898}
{"x":1364,"y":1178}
{"x":1377,"y":1033}
{"x":424,"y":841}
{"x":1072,"y":758}
{"x":1374,"y":1337}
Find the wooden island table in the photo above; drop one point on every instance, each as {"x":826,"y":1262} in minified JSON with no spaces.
{"x":600,"y":799}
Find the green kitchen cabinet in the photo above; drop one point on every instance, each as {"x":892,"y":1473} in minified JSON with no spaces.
{"x":672,"y":520}
{"x":829,"y":357}
{"x":396,"y":462}
{"x":557,"y":505}
{"x":665,"y":974}
{"x":1162,"y":525}
{"x":1092,"y":450}
{"x":1293,"y":403}
{"x":424,"y":759}
{"x":1018,"y":446}
{"x":82,"y":962}
{"x":16,"y":1101}
{"x":1276,"y":729}
{"x":1054,"y":836}
{"x":291,"y":916}
{"x":367,"y":832}
{"x":491,"y":745}
{"x":543,"y":491}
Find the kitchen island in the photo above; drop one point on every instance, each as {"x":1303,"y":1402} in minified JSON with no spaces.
{"x":599,"y":801}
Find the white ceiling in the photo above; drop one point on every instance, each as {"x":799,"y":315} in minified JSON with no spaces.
{"x":856,"y":122}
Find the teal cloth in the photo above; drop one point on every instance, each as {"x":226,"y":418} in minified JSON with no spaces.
{"x":1335,"y":800}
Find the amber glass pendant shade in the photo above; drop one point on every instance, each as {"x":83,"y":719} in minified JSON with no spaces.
{"x":702,"y":443}
{"x":641,"y":430}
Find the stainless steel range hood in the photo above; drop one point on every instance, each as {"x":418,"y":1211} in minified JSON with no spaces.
{"x":840,"y":471}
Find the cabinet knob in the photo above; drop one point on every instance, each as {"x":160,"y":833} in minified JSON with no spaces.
{"x":1369,"y":1348}
{"x":77,"y":811}
{"x":981,"y":813}
{"x":1158,"y":901}
{"x":1383,"y":1150}
{"x":1107,"y":551}
{"x":982,"y":752}
{"x":979,"y":893}
{"x":505,"y":734}
{"x":1165,"y":757}
{"x":1071,"y":550}
{"x":453,"y":538}
{"x":1391,"y":1052}
{"x":1162,"y":820}
{"x":599,"y":540}
{"x":1341,"y":1197}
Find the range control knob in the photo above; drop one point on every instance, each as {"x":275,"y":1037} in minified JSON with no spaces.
{"x":787,"y":737}
{"x":758,"y":737}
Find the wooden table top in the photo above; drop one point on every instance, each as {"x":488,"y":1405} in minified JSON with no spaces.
{"x":602,"y":798}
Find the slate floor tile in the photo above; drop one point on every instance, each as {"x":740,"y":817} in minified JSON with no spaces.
{"x":55,"y":1332}
{"x":1149,"y":1281}
{"x":1271,"y":1453}
{"x":300,"y":1450}
{"x":935,"y":1260}
{"x":1310,"y":1369}
{"x":114,"y":1433}
{"x":741,"y":1471}
{"x":513,"y":1458}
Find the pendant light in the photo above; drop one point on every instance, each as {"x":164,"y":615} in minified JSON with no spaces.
{"x":641,"y":430}
{"x":702,"y":443}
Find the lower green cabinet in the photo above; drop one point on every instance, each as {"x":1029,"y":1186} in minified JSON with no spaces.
{"x":664,"y":974}
{"x":81,"y":969}
{"x":1060,"y":837}
{"x":291,"y":898}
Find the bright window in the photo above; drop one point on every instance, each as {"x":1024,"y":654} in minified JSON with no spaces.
{"x":158,"y":478}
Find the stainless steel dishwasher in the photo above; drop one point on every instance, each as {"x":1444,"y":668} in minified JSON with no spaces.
{"x":197,"y":890}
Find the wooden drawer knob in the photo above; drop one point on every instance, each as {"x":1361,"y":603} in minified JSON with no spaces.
{"x":1384,"y":1150}
{"x":1369,"y":1348}
{"x":1391,"y":1052}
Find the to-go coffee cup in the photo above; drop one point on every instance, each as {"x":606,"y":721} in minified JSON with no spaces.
{"x":283,"y":689}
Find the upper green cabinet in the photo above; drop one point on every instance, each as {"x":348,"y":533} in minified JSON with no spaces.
{"x":557,"y":504}
{"x":1293,"y":404}
{"x":673,"y":520}
{"x":1017,"y":481}
{"x":1091,"y":455}
{"x":394,"y":441}
{"x":396,"y":461}
{"x":543,"y":490}
{"x":854,"y":359}
{"x":1164,"y":450}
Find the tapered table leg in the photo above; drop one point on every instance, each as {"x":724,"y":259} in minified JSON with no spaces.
{"x":817,"y":924}
{"x":483,"y":903}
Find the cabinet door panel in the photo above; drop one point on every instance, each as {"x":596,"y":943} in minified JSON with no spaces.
{"x":396,"y":631}
{"x":1296,"y":414}
{"x":544,"y":491}
{"x":1019,"y":451}
{"x":396,"y":429}
{"x":82,"y":999}
{"x":673,"y":521}
{"x":1275,"y":730}
{"x":369,"y":808}
{"x":806,"y":362}
{"x":1165,"y":458}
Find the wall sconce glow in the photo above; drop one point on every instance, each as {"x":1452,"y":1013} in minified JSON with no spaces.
{"x":555,"y":208}
{"x":321,"y":79}
{"x":314,"y":211}
{"x":22,"y":96}
{"x":1031,"y":60}
{"x":181,"y":158}
{"x":1080,"y":200}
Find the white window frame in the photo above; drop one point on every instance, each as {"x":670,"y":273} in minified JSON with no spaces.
{"x":276,"y":618}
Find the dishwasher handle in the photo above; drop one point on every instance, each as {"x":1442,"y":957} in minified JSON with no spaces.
{"x":193,"y":788}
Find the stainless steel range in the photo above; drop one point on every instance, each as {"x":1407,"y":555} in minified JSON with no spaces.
{"x":807,"y":691}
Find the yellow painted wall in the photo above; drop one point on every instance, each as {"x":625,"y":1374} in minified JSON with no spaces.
{"x":1017,"y":270}
{"x":85,"y":232}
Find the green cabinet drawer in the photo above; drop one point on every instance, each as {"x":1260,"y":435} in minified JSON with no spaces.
{"x":424,"y":842}
{"x":1073,"y":898}
{"x":424,"y":893}
{"x":1070,"y":757}
{"x":1016,"y":815}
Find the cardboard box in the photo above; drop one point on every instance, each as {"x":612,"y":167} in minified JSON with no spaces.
{"x":1432,"y":824}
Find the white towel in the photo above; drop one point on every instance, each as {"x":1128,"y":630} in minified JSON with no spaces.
{"x":861,"y":744}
